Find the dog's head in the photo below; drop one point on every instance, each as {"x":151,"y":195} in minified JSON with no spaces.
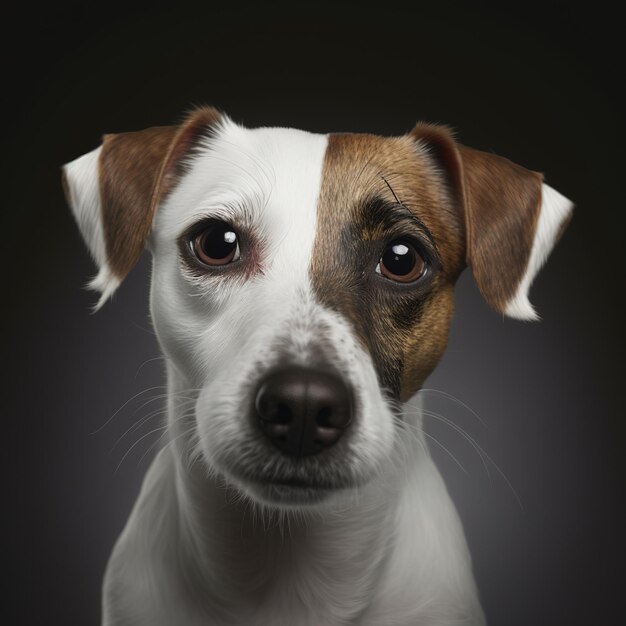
{"x":302,"y":286}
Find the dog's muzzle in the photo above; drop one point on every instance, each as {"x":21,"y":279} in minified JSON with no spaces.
{"x":303,"y":411}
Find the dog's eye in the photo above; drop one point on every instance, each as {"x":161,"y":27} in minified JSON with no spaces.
{"x":401,"y":262}
{"x":217,"y":244}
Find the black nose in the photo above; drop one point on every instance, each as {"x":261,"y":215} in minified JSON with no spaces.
{"x":303,"y":411}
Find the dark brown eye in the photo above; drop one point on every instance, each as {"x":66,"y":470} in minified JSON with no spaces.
{"x":401,"y":262}
{"x":217,"y":244}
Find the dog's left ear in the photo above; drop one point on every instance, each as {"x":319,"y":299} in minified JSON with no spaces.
{"x":114,"y":191}
{"x":512,"y":219}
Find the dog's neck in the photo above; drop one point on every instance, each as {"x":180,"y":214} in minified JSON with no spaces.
{"x":331,"y":558}
{"x":243,"y":553}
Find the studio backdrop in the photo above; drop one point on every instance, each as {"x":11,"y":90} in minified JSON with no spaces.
{"x":531,"y":447}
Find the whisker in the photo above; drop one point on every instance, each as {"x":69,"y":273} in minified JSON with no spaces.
{"x":170,"y":441}
{"x":446,"y":450}
{"x":463,"y":433}
{"x":137,"y":395}
{"x":152,"y":360}
{"x":143,"y":420}
{"x":152,"y":446}
{"x":456,"y":400}
{"x":150,"y":331}
{"x":484,"y":456}
{"x":155,"y":430}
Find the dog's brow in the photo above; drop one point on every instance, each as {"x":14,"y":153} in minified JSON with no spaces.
{"x":408,"y":214}
{"x":401,"y":207}
{"x":393,"y":193}
{"x":380,"y":212}
{"x":236,"y":210}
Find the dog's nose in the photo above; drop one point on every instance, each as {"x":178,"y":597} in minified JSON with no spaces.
{"x":303,"y":411}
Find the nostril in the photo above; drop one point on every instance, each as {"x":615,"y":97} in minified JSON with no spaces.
{"x":283,"y":414}
{"x":323,"y":417}
{"x":270,"y":408}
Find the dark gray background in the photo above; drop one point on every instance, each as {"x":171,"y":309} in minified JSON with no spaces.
{"x":539,"y":84}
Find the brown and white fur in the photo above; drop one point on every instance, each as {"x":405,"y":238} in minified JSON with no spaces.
{"x":227,"y":529}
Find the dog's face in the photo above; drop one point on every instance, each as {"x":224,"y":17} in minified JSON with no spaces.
{"x":302,"y":285}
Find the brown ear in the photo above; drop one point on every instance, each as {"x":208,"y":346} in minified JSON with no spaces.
{"x":512,"y":219}
{"x":114,"y":190}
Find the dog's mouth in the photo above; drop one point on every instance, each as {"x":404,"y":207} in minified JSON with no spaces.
{"x":292,"y":490}
{"x":296,"y":483}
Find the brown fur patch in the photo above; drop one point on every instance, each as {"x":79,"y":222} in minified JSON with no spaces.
{"x":137,"y":171}
{"x":501,"y":202}
{"x":404,"y":327}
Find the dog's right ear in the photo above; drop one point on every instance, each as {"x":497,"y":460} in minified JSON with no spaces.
{"x":115,"y":190}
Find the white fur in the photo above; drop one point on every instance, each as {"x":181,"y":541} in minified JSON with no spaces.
{"x":555,"y":208}
{"x":83,"y":183}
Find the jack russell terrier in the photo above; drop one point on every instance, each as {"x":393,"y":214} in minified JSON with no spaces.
{"x":302,"y":291}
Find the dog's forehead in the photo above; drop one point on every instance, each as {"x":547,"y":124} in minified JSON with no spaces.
{"x":289,"y":176}
{"x":270,"y":174}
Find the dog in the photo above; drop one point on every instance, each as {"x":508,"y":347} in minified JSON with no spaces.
{"x":302,"y":291}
